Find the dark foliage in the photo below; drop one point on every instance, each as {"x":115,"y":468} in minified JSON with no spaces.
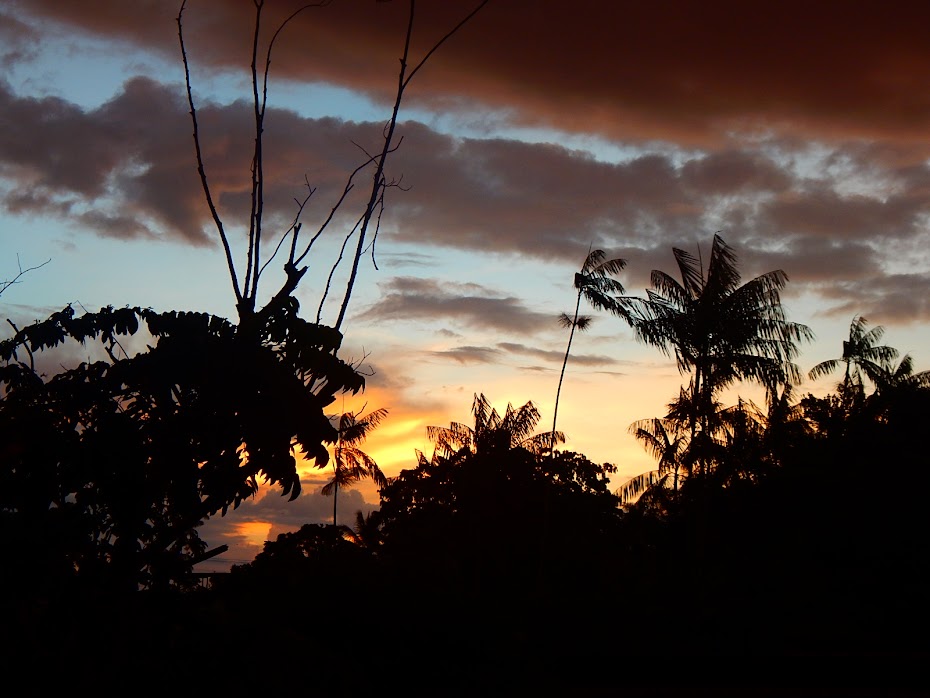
{"x":107,"y":468}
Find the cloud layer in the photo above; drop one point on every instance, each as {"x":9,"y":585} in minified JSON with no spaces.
{"x":126,"y":170}
{"x":680,"y":72}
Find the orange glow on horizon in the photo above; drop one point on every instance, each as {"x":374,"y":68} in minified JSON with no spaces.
{"x":253,"y":533}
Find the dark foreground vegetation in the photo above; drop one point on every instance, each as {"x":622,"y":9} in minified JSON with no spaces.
{"x":775,"y":550}
{"x":793,"y":564}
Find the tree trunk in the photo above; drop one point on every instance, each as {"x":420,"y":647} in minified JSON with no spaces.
{"x":558,"y":392}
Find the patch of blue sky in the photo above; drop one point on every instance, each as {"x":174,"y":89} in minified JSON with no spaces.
{"x":97,"y":271}
{"x":82,"y":69}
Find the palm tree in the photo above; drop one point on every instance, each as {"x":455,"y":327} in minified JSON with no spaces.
{"x":718,"y":330}
{"x":595,"y":285}
{"x":492,"y":431}
{"x":861,"y":354}
{"x":890,"y":377}
{"x":367,"y":530}
{"x":666,"y":441}
{"x":350,"y":463}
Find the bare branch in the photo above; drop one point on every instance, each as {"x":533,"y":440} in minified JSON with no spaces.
{"x":374,"y":238}
{"x":350,"y":185}
{"x":294,"y":228}
{"x":443,"y":39}
{"x":403,"y":79}
{"x":332,"y":271}
{"x":4,"y":285}
{"x":200,"y":167}
{"x":257,"y":171}
{"x":258,"y":175}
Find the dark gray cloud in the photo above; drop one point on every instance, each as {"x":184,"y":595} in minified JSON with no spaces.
{"x":309,"y":507}
{"x":893,"y":298}
{"x":126,"y":170}
{"x":691,"y":73}
{"x":822,"y":211}
{"x":733,"y":172}
{"x":557,"y":356}
{"x":18,"y":40}
{"x":412,"y":299}
{"x":502,"y":350}
{"x":470,"y":355}
{"x":400,"y":260}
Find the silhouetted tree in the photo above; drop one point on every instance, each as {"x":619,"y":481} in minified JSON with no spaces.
{"x":350,"y":464}
{"x":133,"y":453}
{"x":719,"y":331}
{"x":367,"y":531}
{"x":665,"y":440}
{"x":593,"y":283}
{"x":861,"y":355}
{"x":890,"y":376}
{"x":493,"y":431}
{"x":111,"y":466}
{"x":247,"y":291}
{"x":475,"y":518}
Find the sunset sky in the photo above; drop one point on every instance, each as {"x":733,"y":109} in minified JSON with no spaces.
{"x":799,"y":131}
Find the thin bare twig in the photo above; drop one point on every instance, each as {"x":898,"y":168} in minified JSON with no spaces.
{"x":258,"y":182}
{"x":403,"y":80}
{"x":200,"y":166}
{"x":4,"y":285}
{"x":293,"y":230}
{"x":257,"y":171}
{"x":443,"y":39}
{"x":350,"y":185}
{"x":332,"y":271}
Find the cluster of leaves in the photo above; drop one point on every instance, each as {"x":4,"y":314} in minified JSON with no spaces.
{"x":108,"y":467}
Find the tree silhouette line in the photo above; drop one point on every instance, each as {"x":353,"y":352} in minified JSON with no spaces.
{"x":110,"y":467}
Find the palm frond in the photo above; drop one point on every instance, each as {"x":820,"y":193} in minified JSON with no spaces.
{"x":692,"y":275}
{"x":636,"y":486}
{"x":594,"y":259}
{"x":611,"y":267}
{"x":824,"y":368}
{"x":583,"y":322}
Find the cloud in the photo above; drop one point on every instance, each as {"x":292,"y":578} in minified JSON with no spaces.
{"x":470,"y":355}
{"x":113,"y":168}
{"x":411,"y":299}
{"x":692,"y":73}
{"x":17,"y":38}
{"x":822,"y":211}
{"x":894,"y":298}
{"x":823,"y":151}
{"x":557,"y":356}
{"x":499,"y":352}
{"x":270,"y":515}
{"x":126,"y":170}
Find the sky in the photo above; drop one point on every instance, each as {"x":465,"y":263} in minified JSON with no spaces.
{"x":800,"y":132}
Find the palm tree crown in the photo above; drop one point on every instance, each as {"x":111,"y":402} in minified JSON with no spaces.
{"x":719,"y":330}
{"x":492,"y":431}
{"x":350,"y":463}
{"x":861,"y":354}
{"x":595,"y":285}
